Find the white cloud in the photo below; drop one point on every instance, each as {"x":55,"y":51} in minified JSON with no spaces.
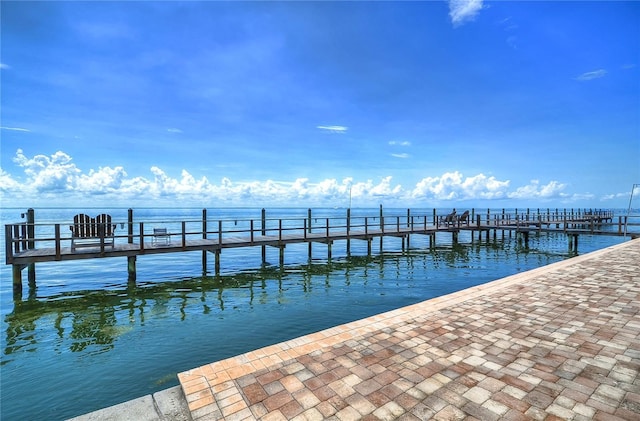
{"x":4,"y":66}
{"x":534,"y":190}
{"x":463,"y":11}
{"x":385,"y":189}
{"x":452,"y":186}
{"x":625,"y":195}
{"x":50,"y":174}
{"x":15,"y":129}
{"x":103,"y":180}
{"x":55,"y":179}
{"x":592,"y":75}
{"x":400,"y":142}
{"x":174,"y":130}
{"x":400,"y":155}
{"x":508,"y":24}
{"x":333,"y":129}
{"x":7,"y":183}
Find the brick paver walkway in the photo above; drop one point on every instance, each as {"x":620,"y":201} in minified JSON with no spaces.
{"x":558,"y":342}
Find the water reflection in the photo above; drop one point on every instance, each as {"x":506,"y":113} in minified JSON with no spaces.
{"x":91,"y":321}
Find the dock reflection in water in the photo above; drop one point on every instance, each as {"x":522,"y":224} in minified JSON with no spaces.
{"x":130,"y":340}
{"x":93,"y":320}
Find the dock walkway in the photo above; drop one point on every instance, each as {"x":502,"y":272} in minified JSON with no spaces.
{"x":557,"y":342}
{"x":28,"y":243}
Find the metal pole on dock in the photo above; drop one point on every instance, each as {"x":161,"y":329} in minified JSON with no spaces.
{"x":131,"y":260}
{"x":204,"y":237}
{"x":280,"y":245}
{"x":381,"y":229}
{"x":348,"y":229}
{"x":409,"y":226}
{"x":264,"y":232}
{"x":626,"y":219}
{"x":31,"y":268}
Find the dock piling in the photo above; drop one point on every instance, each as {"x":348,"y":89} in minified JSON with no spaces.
{"x":131,"y":268}
{"x":17,"y":280}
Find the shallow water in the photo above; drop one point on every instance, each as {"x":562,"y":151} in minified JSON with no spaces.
{"x":87,"y":339}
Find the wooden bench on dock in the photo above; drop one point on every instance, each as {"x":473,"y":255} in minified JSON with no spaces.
{"x":447,"y":220}
{"x":92,"y":232}
{"x":454,"y":219}
{"x":464,"y":218}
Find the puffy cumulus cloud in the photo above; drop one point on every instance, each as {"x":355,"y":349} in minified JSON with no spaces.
{"x":56,"y":179}
{"x":101,"y":181}
{"x":385,"y":189}
{"x":453,"y":186}
{"x":300,"y":187}
{"x":53,"y":173}
{"x":485,"y":187}
{"x":187,"y":185}
{"x":301,"y":191}
{"x":534,"y":190}
{"x":7,"y":183}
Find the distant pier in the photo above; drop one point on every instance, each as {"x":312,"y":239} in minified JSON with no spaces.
{"x":28,"y":243}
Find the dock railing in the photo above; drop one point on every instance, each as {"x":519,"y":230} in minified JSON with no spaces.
{"x":27,"y":236}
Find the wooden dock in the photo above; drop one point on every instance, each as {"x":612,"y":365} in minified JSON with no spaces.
{"x":25,"y":245}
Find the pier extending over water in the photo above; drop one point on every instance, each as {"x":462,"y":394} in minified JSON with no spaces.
{"x":28,"y":243}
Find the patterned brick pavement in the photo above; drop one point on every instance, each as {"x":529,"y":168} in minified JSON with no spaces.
{"x":560,"y":342}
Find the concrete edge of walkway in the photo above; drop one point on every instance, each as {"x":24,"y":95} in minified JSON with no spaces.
{"x":167,"y":404}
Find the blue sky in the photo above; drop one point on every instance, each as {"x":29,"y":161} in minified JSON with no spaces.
{"x":421,"y":104}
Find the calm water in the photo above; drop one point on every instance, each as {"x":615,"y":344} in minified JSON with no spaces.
{"x":86,"y":339}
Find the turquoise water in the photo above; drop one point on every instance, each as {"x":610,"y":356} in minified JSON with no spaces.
{"x":87,"y":339}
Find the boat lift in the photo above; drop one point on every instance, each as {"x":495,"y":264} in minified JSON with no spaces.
{"x":626,"y":221}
